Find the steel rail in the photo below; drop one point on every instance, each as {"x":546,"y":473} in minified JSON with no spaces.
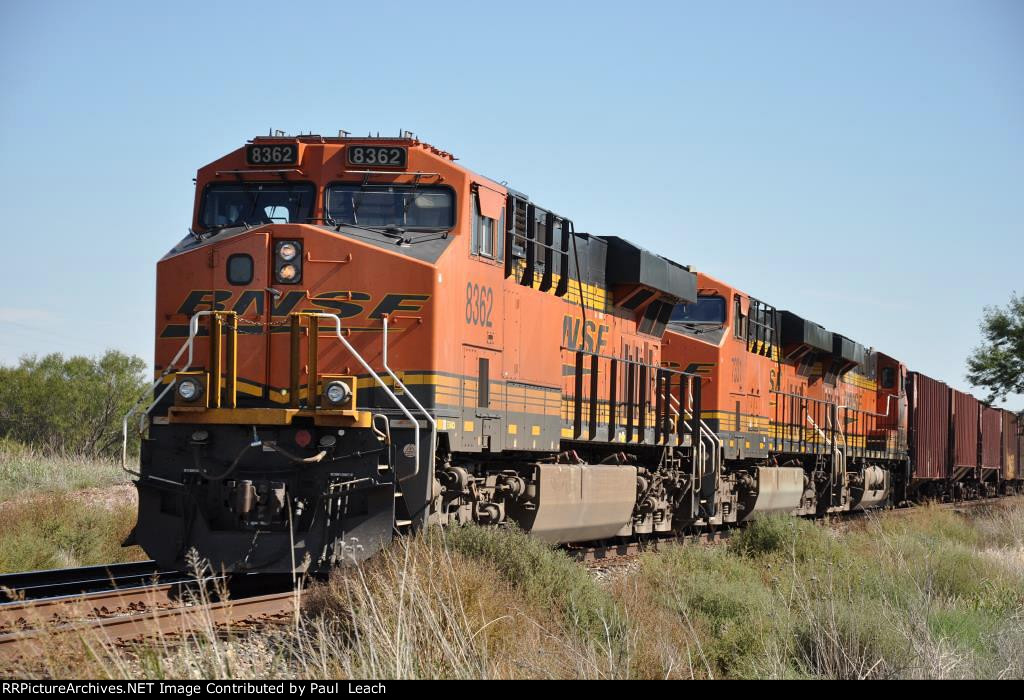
{"x":150,"y":624}
{"x":27,"y":614}
{"x":46,"y":583}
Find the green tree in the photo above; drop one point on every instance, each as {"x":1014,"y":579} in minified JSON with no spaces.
{"x":998,"y":364}
{"x":72,"y":405}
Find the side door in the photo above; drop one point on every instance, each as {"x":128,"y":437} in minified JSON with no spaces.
{"x":482,"y":401}
{"x":739,"y":381}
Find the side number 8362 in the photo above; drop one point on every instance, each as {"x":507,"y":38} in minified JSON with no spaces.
{"x":479,"y":305}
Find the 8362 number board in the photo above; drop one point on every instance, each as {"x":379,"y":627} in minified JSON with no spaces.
{"x":380,"y":156}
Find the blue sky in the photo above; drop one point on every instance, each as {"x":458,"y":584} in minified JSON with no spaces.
{"x":860,"y":163}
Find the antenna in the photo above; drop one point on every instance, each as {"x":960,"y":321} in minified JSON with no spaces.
{"x":342,"y":134}
{"x":278,"y":132}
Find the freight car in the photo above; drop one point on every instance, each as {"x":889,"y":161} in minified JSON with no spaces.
{"x":360,"y":337}
{"x":959,"y":448}
{"x":1011,"y":453}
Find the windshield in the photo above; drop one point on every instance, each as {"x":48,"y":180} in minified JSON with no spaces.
{"x":710,"y":309}
{"x":391,"y":205}
{"x":256,"y":203}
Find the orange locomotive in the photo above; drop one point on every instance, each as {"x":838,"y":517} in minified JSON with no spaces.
{"x":360,"y":336}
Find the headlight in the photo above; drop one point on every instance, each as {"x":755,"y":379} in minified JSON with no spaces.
{"x":287,"y":250}
{"x":337,"y":393}
{"x":189,"y":389}
{"x":288,"y":261}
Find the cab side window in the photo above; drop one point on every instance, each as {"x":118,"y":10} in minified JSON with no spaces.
{"x":485,"y":232}
{"x":888,"y":378}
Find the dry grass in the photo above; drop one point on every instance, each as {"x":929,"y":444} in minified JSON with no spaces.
{"x":420,"y":610}
{"x":26,"y":470}
{"x":53,"y":531}
{"x":912,"y":597}
{"x":61,"y":511}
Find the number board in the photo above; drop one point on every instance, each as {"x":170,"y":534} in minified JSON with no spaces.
{"x":280,"y":154}
{"x":379,"y":156}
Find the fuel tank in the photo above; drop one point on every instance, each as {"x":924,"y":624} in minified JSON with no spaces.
{"x":779,"y":490}
{"x":582,"y":502}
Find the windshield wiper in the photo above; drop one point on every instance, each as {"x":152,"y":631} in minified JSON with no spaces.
{"x":390,"y":230}
{"x":699,"y":327}
{"x":233,"y":224}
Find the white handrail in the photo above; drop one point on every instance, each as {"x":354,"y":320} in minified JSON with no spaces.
{"x":193,"y":329}
{"x":819,"y":430}
{"x":376,"y":377}
{"x":714,"y":445}
{"x":426,"y":414}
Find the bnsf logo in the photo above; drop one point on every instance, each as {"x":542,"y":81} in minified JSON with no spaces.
{"x":588,"y":337}
{"x":343,"y":304}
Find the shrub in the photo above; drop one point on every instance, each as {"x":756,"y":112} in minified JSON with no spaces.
{"x":782,"y":534}
{"x":74,"y":405}
{"x":546,"y":576}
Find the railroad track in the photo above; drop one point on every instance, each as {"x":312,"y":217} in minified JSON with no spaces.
{"x":144,"y":614}
{"x":20,"y":616}
{"x":51,"y":583}
{"x":115,"y":603}
{"x":598,"y":556}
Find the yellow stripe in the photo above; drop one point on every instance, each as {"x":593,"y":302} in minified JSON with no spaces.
{"x":860,"y":381}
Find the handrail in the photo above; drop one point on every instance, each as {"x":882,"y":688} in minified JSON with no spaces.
{"x":825,"y":402}
{"x":193,"y":330}
{"x":189,"y":345}
{"x":839,"y":428}
{"x":376,"y":378}
{"x":888,"y":406}
{"x":714,"y":446}
{"x":704,"y":426}
{"x":820,"y":431}
{"x":426,"y":414}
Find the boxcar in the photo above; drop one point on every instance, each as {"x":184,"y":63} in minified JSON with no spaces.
{"x":966,"y":418}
